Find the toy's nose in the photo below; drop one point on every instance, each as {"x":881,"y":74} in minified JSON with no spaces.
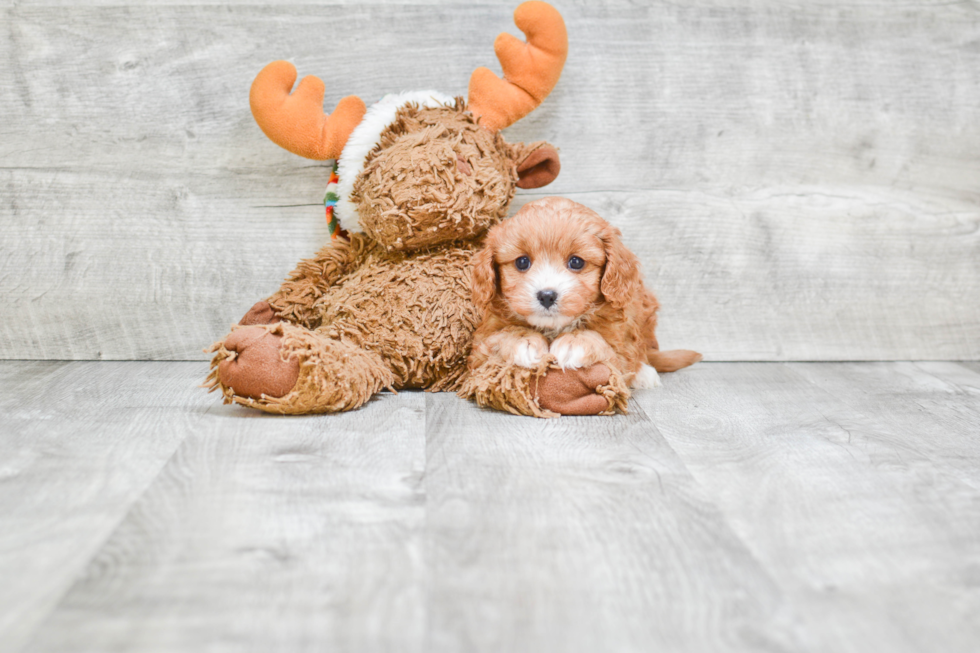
{"x":547,"y":298}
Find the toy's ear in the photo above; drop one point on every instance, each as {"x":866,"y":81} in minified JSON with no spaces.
{"x":537,"y":164}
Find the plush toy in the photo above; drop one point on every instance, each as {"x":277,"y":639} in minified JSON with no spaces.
{"x":419,"y":179}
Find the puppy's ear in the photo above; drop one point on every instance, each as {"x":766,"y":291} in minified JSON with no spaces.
{"x":484,"y":280}
{"x":537,"y":164}
{"x":621,"y":276}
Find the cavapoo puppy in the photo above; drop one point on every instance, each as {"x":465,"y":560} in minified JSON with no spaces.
{"x":555,"y":281}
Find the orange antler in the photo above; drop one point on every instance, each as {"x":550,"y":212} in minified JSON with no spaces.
{"x":297,"y":122}
{"x":531,"y":69}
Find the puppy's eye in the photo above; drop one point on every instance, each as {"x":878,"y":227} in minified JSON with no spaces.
{"x":522,"y":263}
{"x":575,"y":263}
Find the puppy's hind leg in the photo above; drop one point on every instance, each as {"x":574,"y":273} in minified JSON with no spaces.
{"x":646,"y":378}
{"x":671,"y":361}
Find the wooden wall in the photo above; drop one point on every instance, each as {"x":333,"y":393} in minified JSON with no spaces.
{"x":800,"y":179}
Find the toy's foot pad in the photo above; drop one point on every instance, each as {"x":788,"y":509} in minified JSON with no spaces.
{"x":257,"y":368}
{"x":261,"y":313}
{"x":573,"y":391}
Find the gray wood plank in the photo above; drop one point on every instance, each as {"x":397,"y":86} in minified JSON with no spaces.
{"x":233,"y":3}
{"x":163,"y":286}
{"x":741,"y":507}
{"x":798,"y":178}
{"x":838,"y":288}
{"x":843,"y":491}
{"x":782,"y":274}
{"x":455,"y":4}
{"x":975,"y":366}
{"x":804,"y":96}
{"x":266,"y":533}
{"x":582,"y":534}
{"x":935,"y":405}
{"x":80,"y":442}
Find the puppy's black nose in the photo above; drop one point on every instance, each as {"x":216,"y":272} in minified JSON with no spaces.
{"x":547,"y":298}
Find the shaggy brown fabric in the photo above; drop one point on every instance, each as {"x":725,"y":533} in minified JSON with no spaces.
{"x":260,"y":313}
{"x":547,"y":390}
{"x":414,"y":193}
{"x":333,"y":376}
{"x":315,"y":276}
{"x":500,"y":384}
{"x":413,"y":309}
{"x":391,"y":307}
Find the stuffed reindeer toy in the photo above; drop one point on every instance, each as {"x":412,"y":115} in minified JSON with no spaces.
{"x":419,"y":179}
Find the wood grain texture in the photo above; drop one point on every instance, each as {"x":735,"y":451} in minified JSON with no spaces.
{"x":79,"y":442}
{"x":975,"y":366}
{"x":805,"y":172}
{"x":265,"y":533}
{"x":855,"y":486}
{"x":562,"y":4}
{"x":741,"y":507}
{"x":775,"y":274}
{"x":582,"y":534}
{"x":938,"y":402}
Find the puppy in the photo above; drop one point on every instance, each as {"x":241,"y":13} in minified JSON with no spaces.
{"x":556,"y":281}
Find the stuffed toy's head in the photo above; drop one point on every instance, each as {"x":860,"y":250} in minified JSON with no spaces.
{"x":422,"y":168}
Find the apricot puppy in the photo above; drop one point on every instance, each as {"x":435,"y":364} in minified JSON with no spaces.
{"x":556,"y":282}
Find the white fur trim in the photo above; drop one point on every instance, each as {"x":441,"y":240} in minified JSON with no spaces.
{"x":646,"y":378}
{"x":364,"y":138}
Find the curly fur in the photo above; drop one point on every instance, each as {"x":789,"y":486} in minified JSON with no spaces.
{"x":334,"y":375}
{"x":391,"y":307}
{"x":434,"y":174}
{"x":603,"y":313}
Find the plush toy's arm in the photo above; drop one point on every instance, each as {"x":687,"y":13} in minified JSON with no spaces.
{"x":494,"y":380}
{"x":594,"y":390}
{"x":312,"y":278}
{"x":498,"y":383}
{"x":546,"y":391}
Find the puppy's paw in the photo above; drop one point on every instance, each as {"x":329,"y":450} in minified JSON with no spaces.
{"x":646,"y":378}
{"x":582,"y":349}
{"x":528,"y":353}
{"x":568,"y":354}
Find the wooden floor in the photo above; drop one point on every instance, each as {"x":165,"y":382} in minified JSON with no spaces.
{"x":743,"y":506}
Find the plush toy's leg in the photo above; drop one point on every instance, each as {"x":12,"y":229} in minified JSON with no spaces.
{"x":503,"y":385}
{"x":545,"y":391}
{"x":595,"y":390}
{"x":261,"y":313}
{"x":288,"y":369}
{"x":250,"y":364}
